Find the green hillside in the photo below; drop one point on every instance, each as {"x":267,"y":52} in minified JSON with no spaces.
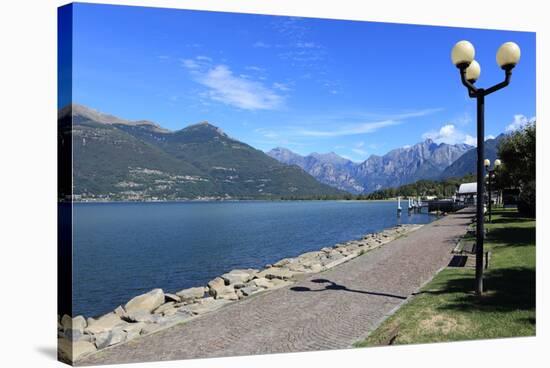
{"x":114,"y":159}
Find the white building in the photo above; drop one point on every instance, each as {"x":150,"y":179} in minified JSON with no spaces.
{"x":467,"y":193}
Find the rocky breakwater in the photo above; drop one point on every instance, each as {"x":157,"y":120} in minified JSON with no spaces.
{"x":157,"y":310}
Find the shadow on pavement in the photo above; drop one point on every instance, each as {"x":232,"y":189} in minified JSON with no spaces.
{"x":334,"y":286}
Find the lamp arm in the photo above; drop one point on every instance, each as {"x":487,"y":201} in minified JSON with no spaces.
{"x":471,"y":88}
{"x":501,"y":85}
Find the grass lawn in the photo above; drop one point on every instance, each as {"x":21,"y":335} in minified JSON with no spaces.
{"x":446,"y":309}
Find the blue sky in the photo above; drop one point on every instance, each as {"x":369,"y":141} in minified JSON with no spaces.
{"x":310,"y":85}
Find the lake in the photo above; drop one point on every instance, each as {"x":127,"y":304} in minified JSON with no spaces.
{"x":121,"y":250}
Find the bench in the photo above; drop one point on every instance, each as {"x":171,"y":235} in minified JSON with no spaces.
{"x":465,"y":246}
{"x":463,"y":249}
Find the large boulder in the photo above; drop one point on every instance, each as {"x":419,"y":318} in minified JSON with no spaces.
{"x":73,"y":351}
{"x":250,"y":290}
{"x":170,"y":312}
{"x":171,"y":298}
{"x":215,"y":283}
{"x":104,"y":323}
{"x":262,"y":282}
{"x":277,"y":273}
{"x":297,"y":267}
{"x":133,"y":330}
{"x":187,"y":295}
{"x":307,"y":265}
{"x":146,"y":302}
{"x":119,"y":311}
{"x":142,"y":316}
{"x":283,"y":262}
{"x":163,"y":308}
{"x":225,"y":292}
{"x":238,"y":277}
{"x":76,"y":335}
{"x":219,"y":290}
{"x":66,"y":322}
{"x":79,"y":323}
{"x":109,"y":338}
{"x":73,"y":328}
{"x":310,"y":256}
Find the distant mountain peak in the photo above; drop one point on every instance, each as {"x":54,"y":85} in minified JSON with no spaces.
{"x":88,"y":113}
{"x":330,"y":157}
{"x":328,"y":168}
{"x":206,"y":126}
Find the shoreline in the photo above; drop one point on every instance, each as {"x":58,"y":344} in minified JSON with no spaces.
{"x":156,"y":310}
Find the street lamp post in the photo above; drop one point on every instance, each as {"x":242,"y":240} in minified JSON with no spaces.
{"x":490,"y":178}
{"x":462,"y":55}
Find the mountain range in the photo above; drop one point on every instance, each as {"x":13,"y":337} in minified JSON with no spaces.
{"x":328,"y":168}
{"x":117,"y":159}
{"x":424,"y":160}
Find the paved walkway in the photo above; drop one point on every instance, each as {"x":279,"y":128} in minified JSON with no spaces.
{"x":329,"y":310}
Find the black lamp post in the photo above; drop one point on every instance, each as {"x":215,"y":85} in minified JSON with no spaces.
{"x":490,"y":178}
{"x":462,"y":56}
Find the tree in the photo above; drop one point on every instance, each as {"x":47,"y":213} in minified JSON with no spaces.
{"x":518,"y":154}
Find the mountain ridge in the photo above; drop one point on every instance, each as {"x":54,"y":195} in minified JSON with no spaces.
{"x":424,"y":160}
{"x":118,"y":159}
{"x":201,"y":160}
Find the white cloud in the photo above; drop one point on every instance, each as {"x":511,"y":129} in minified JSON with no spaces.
{"x":415,"y":114}
{"x":190,"y":64}
{"x":243,"y":93}
{"x":449,"y":134}
{"x":519,"y":122}
{"x":339,"y":124}
{"x":235,"y":90}
{"x":472,"y":141}
{"x":362,"y":128}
